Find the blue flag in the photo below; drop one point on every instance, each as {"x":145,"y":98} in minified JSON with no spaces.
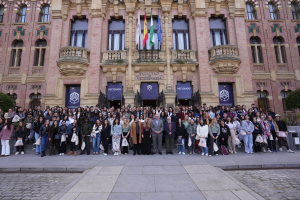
{"x":159,"y":31}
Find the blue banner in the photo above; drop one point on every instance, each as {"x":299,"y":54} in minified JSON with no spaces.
{"x":184,"y":90}
{"x":226,"y":94}
{"x":114,"y":91}
{"x":149,"y":91}
{"x":73,"y":96}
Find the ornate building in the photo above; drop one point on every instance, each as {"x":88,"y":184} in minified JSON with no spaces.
{"x":85,"y":52}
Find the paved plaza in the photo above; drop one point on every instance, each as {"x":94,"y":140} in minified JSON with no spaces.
{"x":154,"y":176}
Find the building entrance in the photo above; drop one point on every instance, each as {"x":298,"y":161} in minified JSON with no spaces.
{"x":151,"y":103}
{"x":184,"y":102}
{"x":114,"y":103}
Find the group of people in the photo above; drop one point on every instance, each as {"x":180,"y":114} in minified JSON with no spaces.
{"x":143,"y":129}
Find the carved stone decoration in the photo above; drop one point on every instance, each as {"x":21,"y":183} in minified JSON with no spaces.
{"x":224,"y":59}
{"x":73,"y":61}
{"x":285,"y":85}
{"x":14,"y":70}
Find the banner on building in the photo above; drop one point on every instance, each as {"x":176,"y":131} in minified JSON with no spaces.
{"x":226,"y":94}
{"x":73,"y":96}
{"x":184,"y":90}
{"x":114,"y":91}
{"x":149,"y":91}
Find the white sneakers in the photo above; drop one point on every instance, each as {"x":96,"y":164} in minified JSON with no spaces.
{"x":22,"y":152}
{"x":265,"y":151}
{"x":105,"y":154}
{"x":179,"y":152}
{"x":290,"y":151}
{"x":116,"y":153}
{"x":61,"y":154}
{"x":183,"y":153}
{"x":206,"y":154}
{"x":280,"y":149}
{"x":269,"y":151}
{"x":17,"y":153}
{"x":202,"y":154}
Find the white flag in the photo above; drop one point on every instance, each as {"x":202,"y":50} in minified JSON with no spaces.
{"x":138,"y":30}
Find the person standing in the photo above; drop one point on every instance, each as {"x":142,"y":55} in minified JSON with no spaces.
{"x":202,"y":132}
{"x":62,"y":132}
{"x":282,"y":134}
{"x":214,"y":131}
{"x":52,"y":139}
{"x":72,"y":129}
{"x":181,"y":134}
{"x":274,"y":130}
{"x":257,"y":131}
{"x":170,"y":130}
{"x":27,"y":123}
{"x":36,"y":128}
{"x":248,"y":127}
{"x":125,"y":135}
{"x":157,"y":127}
{"x":105,"y":135}
{"x":116,"y":131}
{"x":136,"y":135}
{"x":146,"y":137}
{"x":44,"y":136}
{"x":192,"y":131}
{"x":232,"y":136}
{"x":20,"y":135}
{"x":224,"y":133}
{"x":96,"y":135}
{"x":5,"y":136}
{"x":85,"y":131}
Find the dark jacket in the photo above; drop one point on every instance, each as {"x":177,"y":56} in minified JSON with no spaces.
{"x":86,"y":129}
{"x":52,"y":132}
{"x":43,"y":130}
{"x":20,"y":133}
{"x":175,"y":117}
{"x":105,"y":132}
{"x":281,"y":125}
{"x":1,"y":126}
{"x":180,"y":130}
{"x":257,"y":129}
{"x":224,"y":131}
{"x":70,"y":131}
{"x":167,"y":129}
{"x":62,"y":130}
{"x":36,"y":126}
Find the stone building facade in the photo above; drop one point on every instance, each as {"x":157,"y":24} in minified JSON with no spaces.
{"x":249,"y":46}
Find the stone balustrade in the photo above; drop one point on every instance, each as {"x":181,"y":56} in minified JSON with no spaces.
{"x":183,"y":56}
{"x":224,"y":59}
{"x":114,"y":57}
{"x":73,"y":61}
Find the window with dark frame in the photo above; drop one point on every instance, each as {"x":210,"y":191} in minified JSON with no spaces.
{"x":13,"y":97}
{"x":262,"y":98}
{"x":218,"y":31}
{"x":116,"y":35}
{"x":273,"y":11}
{"x":284,"y":95}
{"x":35,"y":100}
{"x":256,"y":50}
{"x":1,"y":13}
{"x":251,"y":15}
{"x":40,"y":51}
{"x":45,"y":13}
{"x":79,"y":31}
{"x":22,"y":14}
{"x":156,"y":44}
{"x":16,"y":54}
{"x":279,"y":50}
{"x":180,"y":34}
{"x":295,"y":11}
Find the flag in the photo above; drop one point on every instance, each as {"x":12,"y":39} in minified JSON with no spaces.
{"x":138,"y":30}
{"x":145,"y":38}
{"x":151,"y":32}
{"x":159,"y":31}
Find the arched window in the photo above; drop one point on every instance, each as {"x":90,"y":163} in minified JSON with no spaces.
{"x":295,"y":11}
{"x":45,"y":13}
{"x":218,"y":31}
{"x":35,"y":100}
{"x":180,"y":34}
{"x":16,"y":54}
{"x":22,"y":14}
{"x":13,"y":96}
{"x":256,"y":50}
{"x":250,"y":11}
{"x":263,"y":101}
{"x":79,"y":33}
{"x":273,"y":11}
{"x":284,"y":95}
{"x":1,"y":13}
{"x":40,"y":51}
{"x":279,"y":50}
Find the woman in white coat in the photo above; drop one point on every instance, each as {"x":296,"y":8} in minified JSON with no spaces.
{"x":202,"y":132}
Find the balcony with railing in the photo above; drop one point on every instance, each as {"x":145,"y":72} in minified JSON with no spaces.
{"x":114,"y":57}
{"x":184,"y":56}
{"x":224,"y":59}
{"x":73,"y":61}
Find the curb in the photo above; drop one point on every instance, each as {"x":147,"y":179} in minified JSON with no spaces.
{"x":264,"y":166}
{"x":44,"y":170}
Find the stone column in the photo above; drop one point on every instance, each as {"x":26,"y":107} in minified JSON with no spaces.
{"x":129,"y":94}
{"x":169,"y":93}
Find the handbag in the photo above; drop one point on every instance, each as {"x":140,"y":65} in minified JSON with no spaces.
{"x":124,"y":143}
{"x":216,"y":148}
{"x":116,"y":146}
{"x":190,"y":142}
{"x":179,"y":141}
{"x":259,"y":139}
{"x":19,"y":143}
{"x":101,"y":147}
{"x":265,"y":141}
{"x":202,"y":143}
{"x":243,"y":133}
{"x":197,"y":137}
{"x":83,"y":146}
{"x":271,"y":137}
{"x":28,"y":126}
{"x":57,"y":137}
{"x":38,"y":142}
{"x":63,"y":138}
{"x":74,"y":136}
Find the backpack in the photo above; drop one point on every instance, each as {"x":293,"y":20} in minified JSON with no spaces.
{"x":224,"y":150}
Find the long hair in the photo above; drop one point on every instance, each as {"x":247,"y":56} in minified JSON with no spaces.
{"x":9,"y":122}
{"x":22,"y":127}
{"x":149,"y":121}
{"x":115,"y":122}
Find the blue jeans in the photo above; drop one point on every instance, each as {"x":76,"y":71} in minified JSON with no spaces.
{"x":44,"y":142}
{"x":248,"y":141}
{"x":205,"y":149}
{"x":181,"y":147}
{"x":96,"y":143}
{"x":37,"y":147}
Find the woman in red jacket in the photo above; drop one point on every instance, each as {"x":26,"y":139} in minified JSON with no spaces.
{"x":5,"y":136}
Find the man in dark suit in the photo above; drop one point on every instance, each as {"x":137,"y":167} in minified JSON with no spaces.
{"x":170,"y":130}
